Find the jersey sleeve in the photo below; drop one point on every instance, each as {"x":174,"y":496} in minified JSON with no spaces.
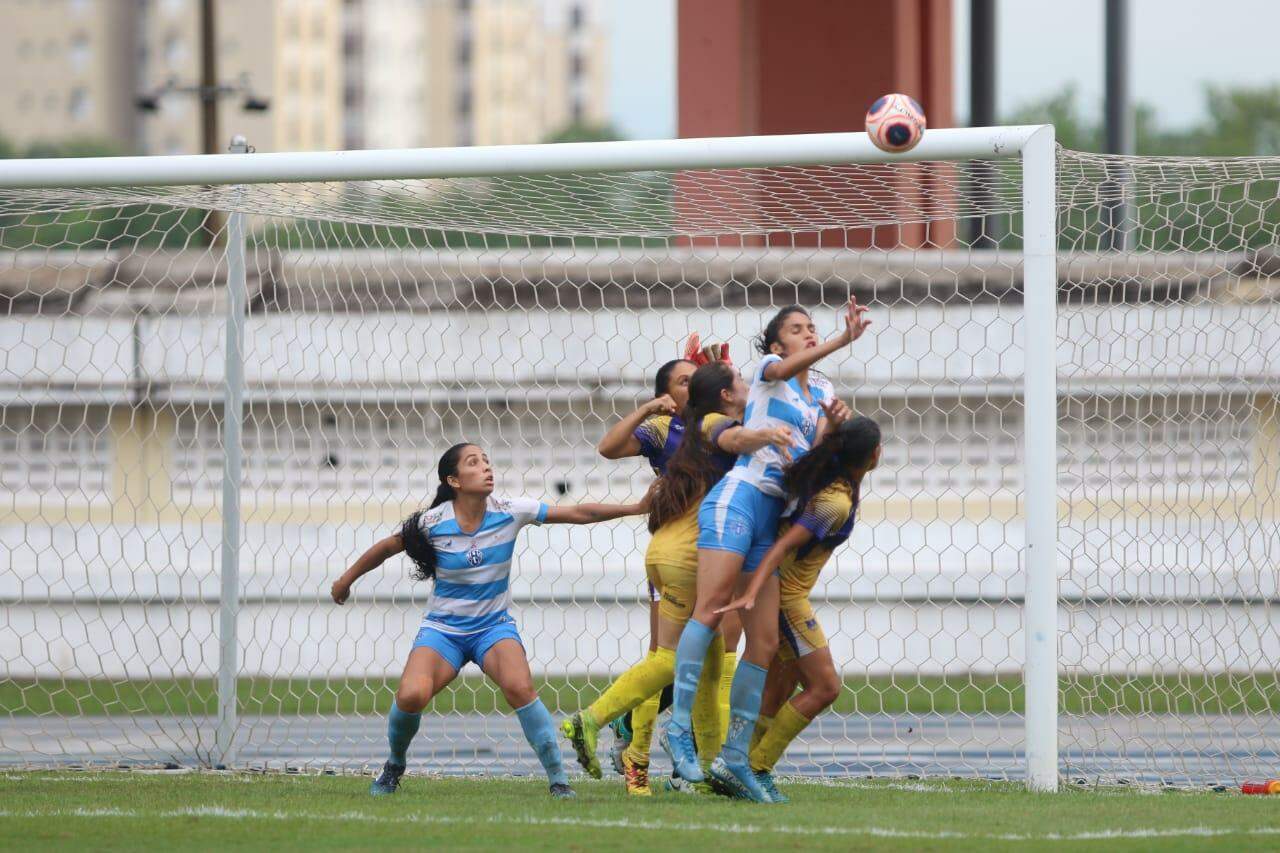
{"x":826,"y":513}
{"x":528,"y":511}
{"x":769,"y":359}
{"x":652,"y":435}
{"x":715,"y":423}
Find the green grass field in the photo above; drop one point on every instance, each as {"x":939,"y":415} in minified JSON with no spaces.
{"x":1165,"y":694}
{"x":120,"y":811}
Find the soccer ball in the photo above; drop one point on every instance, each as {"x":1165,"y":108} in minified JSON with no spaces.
{"x":895,"y":123}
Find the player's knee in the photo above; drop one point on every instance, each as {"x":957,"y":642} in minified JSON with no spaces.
{"x":825,"y":690}
{"x":413,"y":696}
{"x":519,"y":694}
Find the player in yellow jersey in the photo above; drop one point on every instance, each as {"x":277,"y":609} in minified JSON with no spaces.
{"x":824,"y":486}
{"x":654,"y":431}
{"x":713,"y":439}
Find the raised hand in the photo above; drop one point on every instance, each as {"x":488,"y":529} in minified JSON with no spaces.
{"x":836,"y":411}
{"x":693,"y":350}
{"x":854,"y":321}
{"x":340,"y":591}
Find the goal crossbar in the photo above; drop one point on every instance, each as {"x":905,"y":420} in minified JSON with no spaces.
{"x":729,"y":152}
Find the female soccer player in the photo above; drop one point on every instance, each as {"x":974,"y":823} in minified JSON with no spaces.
{"x":465,"y":541}
{"x":654,"y":431}
{"x":713,"y":438}
{"x":825,"y":485}
{"x":738,"y":523}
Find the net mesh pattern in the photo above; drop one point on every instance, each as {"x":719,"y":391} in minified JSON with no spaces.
{"x":388,"y":320}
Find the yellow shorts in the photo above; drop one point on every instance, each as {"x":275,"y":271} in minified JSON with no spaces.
{"x":678,"y":586}
{"x":798,"y":629}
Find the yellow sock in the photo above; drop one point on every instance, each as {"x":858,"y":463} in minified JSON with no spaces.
{"x":787,"y":723}
{"x":634,"y":686}
{"x":643,"y":716}
{"x":727,"y":669}
{"x":707,"y":732}
{"x":762,"y":726}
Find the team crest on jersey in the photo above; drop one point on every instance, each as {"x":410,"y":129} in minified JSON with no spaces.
{"x":475,"y":556}
{"x":809,"y":423}
{"x":811,"y":623}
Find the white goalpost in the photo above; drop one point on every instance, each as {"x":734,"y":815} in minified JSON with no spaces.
{"x":222,"y":377}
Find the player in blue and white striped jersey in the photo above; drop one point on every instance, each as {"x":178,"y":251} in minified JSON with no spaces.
{"x":738,"y":522}
{"x":465,"y":541}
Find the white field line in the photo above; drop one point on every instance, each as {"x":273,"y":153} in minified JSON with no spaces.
{"x":651,"y":825}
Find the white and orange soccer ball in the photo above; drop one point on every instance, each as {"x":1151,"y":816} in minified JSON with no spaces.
{"x":895,"y":123}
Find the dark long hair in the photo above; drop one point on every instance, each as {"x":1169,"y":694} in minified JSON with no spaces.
{"x":769,"y":336}
{"x":692,"y":470}
{"x":417,"y":546}
{"x":849,"y":447}
{"x":662,"y":379}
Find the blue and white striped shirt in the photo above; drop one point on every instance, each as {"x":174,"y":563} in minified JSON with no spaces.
{"x":775,"y":404}
{"x":473,"y":570}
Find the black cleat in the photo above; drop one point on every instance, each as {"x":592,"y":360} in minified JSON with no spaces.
{"x":561,"y":791}
{"x":388,"y":780}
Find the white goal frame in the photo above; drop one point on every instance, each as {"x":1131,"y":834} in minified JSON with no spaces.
{"x":1034,"y":145}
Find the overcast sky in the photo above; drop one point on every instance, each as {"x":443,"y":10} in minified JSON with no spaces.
{"x":1178,"y":46}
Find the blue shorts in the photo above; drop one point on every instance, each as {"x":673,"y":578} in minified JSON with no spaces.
{"x":457,"y":649}
{"x":736,"y":516}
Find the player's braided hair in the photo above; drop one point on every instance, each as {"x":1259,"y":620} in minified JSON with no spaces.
{"x":844,"y":450}
{"x":692,"y":470}
{"x":662,"y":379}
{"x":417,"y":546}
{"x":769,"y":336}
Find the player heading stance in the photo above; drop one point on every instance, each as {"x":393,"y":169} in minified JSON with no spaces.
{"x":713,"y":438}
{"x":465,"y":541}
{"x":738,"y":523}
{"x":826,"y":485}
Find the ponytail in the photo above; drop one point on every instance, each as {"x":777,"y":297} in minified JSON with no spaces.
{"x":847,"y":448}
{"x":417,"y":545}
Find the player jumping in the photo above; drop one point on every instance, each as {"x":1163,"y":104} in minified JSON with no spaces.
{"x":738,"y":523}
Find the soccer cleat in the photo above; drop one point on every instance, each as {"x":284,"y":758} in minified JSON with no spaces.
{"x":388,"y":780}
{"x":561,"y":791}
{"x":737,"y":782}
{"x":621,"y":740}
{"x":581,"y":731}
{"x":678,"y":744}
{"x":620,"y":729}
{"x":765,"y":778}
{"x":637,"y":777}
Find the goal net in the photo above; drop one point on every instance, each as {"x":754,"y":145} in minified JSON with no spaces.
{"x":388,"y":319}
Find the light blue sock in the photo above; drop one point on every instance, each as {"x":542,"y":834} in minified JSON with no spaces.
{"x":744,"y":707}
{"x":691,"y":651}
{"x":401,"y":727}
{"x":540,"y":731}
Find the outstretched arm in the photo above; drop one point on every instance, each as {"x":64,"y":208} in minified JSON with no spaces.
{"x":740,"y":440}
{"x":620,"y":441}
{"x":796,"y":537}
{"x":854,"y":325}
{"x":591,"y":513}
{"x":381,"y":551}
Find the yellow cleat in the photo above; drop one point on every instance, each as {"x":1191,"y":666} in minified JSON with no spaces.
{"x":636,"y":775}
{"x":581,"y":730}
